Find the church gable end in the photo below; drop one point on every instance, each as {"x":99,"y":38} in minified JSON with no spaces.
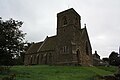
{"x":87,"y":49}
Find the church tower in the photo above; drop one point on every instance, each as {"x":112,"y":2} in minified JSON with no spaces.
{"x":68,"y":22}
{"x":68,"y":18}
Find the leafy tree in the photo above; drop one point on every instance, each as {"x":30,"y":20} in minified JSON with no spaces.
{"x":105,"y":59}
{"x":118,"y":61}
{"x":11,"y":40}
{"x":113,"y":58}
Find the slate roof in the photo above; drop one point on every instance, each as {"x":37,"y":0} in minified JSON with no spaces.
{"x":34,"y":47}
{"x":48,"y":44}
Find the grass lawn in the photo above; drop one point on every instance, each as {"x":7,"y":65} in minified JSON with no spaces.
{"x":45,"y":72}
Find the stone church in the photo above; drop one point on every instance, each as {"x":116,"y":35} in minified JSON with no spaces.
{"x":70,"y":45}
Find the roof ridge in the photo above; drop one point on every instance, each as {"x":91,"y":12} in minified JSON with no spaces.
{"x":29,"y":48}
{"x":42,"y":44}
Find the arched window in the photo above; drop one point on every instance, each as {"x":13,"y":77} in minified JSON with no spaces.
{"x":65,"y":49}
{"x":87,"y":51}
{"x":64,"y":20}
{"x":78,"y":56}
{"x":76,"y":21}
{"x":46,"y":58}
{"x":31,"y":59}
{"x":41,"y":59}
{"x":37,"y":59}
{"x":50,"y":58}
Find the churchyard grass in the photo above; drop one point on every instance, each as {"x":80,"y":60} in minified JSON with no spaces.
{"x":45,"y":72}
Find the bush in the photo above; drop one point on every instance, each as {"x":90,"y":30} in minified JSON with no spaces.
{"x":4,"y":69}
{"x":9,"y":77}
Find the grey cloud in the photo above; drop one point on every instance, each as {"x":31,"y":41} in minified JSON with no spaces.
{"x":39,"y":16}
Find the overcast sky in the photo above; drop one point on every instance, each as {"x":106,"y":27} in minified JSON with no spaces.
{"x":39,"y":16}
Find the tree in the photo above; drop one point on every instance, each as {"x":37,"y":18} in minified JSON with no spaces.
{"x":105,"y":59}
{"x":11,"y":40}
{"x":113,"y":58}
{"x":118,"y":61}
